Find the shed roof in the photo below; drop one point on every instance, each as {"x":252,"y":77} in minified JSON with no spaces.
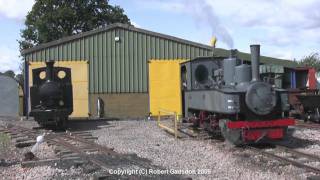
{"x":218,"y":51}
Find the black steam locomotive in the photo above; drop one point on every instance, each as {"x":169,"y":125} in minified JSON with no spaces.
{"x":225,"y":95}
{"x":51,"y":95}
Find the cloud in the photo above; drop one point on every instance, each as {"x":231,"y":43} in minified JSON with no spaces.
{"x":15,"y":9}
{"x":204,"y":13}
{"x":285,"y":22}
{"x":135,"y":24}
{"x":200,"y":10}
{"x":290,"y":25}
{"x":283,"y":54}
{"x":9,"y":59}
{"x":177,"y":6}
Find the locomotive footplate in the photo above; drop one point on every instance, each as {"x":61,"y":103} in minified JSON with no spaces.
{"x":238,"y":132}
{"x":258,"y":134}
{"x":260,"y":124}
{"x":50,"y":113}
{"x":51,"y":117}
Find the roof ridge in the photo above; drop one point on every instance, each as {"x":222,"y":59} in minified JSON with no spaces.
{"x":106,"y":28}
{"x":136,"y":29}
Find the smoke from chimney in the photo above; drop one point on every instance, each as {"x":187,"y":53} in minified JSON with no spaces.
{"x":202,"y":12}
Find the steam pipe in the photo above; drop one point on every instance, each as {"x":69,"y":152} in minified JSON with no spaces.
{"x":49,"y":70}
{"x":255,"y":61}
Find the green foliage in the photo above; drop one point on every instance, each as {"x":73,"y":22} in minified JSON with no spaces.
{"x":50,"y":20}
{"x":19,"y":78}
{"x":4,"y":143}
{"x":313,"y":60}
{"x":9,"y":73}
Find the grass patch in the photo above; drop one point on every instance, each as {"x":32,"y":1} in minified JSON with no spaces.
{"x":4,"y":143}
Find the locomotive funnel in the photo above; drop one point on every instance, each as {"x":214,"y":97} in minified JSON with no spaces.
{"x":255,"y":61}
{"x":233,"y":53}
{"x":49,"y":70}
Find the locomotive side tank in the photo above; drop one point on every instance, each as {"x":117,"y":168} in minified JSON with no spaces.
{"x":223,"y":94}
{"x":51,"y":95}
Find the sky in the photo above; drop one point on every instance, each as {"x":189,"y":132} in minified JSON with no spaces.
{"x":287,"y":29}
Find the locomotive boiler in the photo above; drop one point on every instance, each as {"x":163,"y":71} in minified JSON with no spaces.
{"x":51,"y":95}
{"x":226,"y":95}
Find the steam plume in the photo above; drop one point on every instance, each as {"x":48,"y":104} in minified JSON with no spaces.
{"x":203,"y":13}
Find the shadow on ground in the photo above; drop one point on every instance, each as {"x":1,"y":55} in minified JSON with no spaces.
{"x":87,"y":124}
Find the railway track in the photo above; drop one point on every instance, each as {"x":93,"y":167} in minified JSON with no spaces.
{"x":284,"y":154}
{"x":68,"y":144}
{"x":80,"y":147}
{"x":290,"y":156}
{"x":81,"y":143}
{"x":307,"y":125}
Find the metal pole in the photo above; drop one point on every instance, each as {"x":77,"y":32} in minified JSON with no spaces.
{"x":175,"y":126}
{"x":158,"y":119}
{"x":26,"y":87}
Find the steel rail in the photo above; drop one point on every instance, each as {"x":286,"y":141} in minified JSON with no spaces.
{"x":98,"y":147}
{"x":91,"y":144}
{"x":16,"y":130}
{"x":71,"y":147}
{"x":288,"y":160}
{"x":311,"y":126}
{"x":299,"y":153}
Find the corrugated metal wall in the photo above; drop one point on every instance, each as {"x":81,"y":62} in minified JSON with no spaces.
{"x":9,"y":95}
{"x":118,"y":67}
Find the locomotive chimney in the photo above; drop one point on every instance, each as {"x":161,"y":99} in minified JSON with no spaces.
{"x":255,"y":61}
{"x":233,"y":53}
{"x":49,"y":70}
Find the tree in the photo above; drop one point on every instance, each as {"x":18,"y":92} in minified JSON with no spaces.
{"x":20,"y":79}
{"x":51,"y":20}
{"x":9,"y":73}
{"x":312,"y":60}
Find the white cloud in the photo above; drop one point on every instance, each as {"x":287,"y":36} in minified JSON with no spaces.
{"x":9,"y":59}
{"x":15,"y":9}
{"x":282,"y":24}
{"x":282,"y":54}
{"x":200,"y":11}
{"x":135,"y":24}
{"x":284,"y":21}
{"x":172,"y":6}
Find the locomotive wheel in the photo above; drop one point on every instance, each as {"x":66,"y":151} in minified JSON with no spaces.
{"x":193,"y":119}
{"x":62,"y":123}
{"x":230,"y":135}
{"x":41,"y":124}
{"x":286,"y":133}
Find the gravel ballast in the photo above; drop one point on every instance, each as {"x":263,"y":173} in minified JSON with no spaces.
{"x":218,"y":159}
{"x":197,"y":159}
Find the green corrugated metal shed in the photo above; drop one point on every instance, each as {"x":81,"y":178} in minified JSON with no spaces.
{"x":117,"y":66}
{"x":121,"y":66}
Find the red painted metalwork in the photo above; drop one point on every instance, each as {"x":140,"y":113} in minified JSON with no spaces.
{"x":261,"y":124}
{"x":255,"y":134}
{"x":202,"y":117}
{"x":214,"y":122}
{"x":312,"y":78}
